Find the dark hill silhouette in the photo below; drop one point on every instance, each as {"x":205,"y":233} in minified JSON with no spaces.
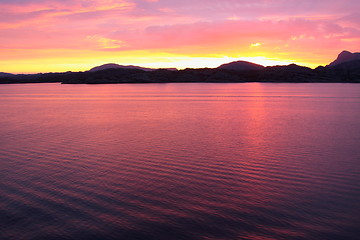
{"x":241,"y":66}
{"x":345,"y":56}
{"x":2,"y":74}
{"x":287,"y":73}
{"x":291,"y":67}
{"x":117,"y":66}
{"x":348,"y":71}
{"x":344,"y":70}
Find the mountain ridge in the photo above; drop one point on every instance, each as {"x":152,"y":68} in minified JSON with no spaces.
{"x":345,"y":56}
{"x":344,"y":70}
{"x":241,"y":66}
{"x":116,"y":66}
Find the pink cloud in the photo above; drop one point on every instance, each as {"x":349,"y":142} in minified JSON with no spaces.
{"x":174,"y":25}
{"x":241,"y":32}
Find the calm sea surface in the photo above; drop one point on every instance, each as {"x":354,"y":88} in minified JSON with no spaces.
{"x":180,"y":161}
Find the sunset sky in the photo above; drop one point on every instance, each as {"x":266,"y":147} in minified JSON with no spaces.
{"x":76,"y":35}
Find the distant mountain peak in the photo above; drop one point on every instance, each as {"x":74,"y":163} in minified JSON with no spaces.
{"x":3,"y":74}
{"x":241,"y":66}
{"x":345,"y":56}
{"x":114,"y":65}
{"x":117,"y":66}
{"x":345,"y":52}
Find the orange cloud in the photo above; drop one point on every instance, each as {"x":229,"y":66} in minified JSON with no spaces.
{"x":311,"y":32}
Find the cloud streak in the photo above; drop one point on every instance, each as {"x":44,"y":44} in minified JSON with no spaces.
{"x":308,"y":31}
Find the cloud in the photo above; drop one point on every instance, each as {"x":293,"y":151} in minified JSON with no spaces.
{"x":64,"y":7}
{"x":254,"y":9}
{"x":106,"y":43}
{"x":318,"y":29}
{"x":240,"y":31}
{"x":255,"y":44}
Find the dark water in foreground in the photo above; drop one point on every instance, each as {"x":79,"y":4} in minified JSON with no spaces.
{"x":180,"y":161}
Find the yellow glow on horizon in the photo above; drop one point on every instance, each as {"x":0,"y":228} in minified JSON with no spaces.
{"x":59,"y":36}
{"x":42,"y":61}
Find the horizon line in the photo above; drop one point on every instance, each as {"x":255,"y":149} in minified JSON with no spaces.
{"x":158,"y":68}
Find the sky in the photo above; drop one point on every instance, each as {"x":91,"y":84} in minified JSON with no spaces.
{"x":76,"y":35}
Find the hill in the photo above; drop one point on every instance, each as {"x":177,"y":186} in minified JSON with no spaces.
{"x":345,"y":56}
{"x":117,"y":66}
{"x":342,"y":70}
{"x":241,"y":66}
{"x":2,"y":74}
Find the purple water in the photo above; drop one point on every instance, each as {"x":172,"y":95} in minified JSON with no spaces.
{"x":180,"y":161}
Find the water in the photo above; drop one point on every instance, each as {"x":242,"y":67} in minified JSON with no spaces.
{"x":180,"y":161}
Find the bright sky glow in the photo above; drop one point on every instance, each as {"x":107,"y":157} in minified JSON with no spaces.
{"x":62,"y":35}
